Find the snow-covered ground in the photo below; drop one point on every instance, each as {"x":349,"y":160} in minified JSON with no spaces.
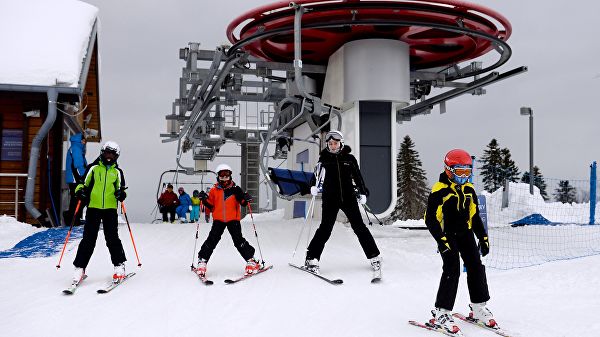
{"x":12,"y":231}
{"x":166,"y":299}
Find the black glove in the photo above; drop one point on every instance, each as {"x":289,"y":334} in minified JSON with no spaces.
{"x":443,"y":245}
{"x":247,"y":197}
{"x":207,"y":217}
{"x":484,"y":246}
{"x":202,"y":195}
{"x":81,"y":194}
{"x":120,"y":194}
{"x":239,"y":194}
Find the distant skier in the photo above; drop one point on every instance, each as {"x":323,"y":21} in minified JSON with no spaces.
{"x":452,"y":216}
{"x":184,"y":205}
{"x":337,"y":176}
{"x":168,"y":202}
{"x":195,"y":212}
{"x":104,"y":186}
{"x":223,"y":201}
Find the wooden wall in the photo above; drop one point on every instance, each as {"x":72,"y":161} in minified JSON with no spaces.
{"x":12,"y":106}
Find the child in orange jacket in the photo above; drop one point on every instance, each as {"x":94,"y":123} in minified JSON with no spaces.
{"x":223,"y":201}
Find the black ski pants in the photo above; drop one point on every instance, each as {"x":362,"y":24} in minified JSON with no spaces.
{"x":329,"y":214}
{"x":214,"y":236}
{"x":170,"y":211}
{"x":93,"y":217}
{"x":463,"y":243}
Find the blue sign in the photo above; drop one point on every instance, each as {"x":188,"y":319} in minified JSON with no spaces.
{"x":12,"y":145}
{"x":483,"y":211}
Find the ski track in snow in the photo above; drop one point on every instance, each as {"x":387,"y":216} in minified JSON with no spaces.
{"x":166,"y":299}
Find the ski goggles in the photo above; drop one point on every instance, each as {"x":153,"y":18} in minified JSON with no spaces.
{"x":333,"y":136}
{"x":109,"y":150}
{"x":461,"y":171}
{"x":224,"y":174}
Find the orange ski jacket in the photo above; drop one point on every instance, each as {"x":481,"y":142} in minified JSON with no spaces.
{"x":224,"y":202}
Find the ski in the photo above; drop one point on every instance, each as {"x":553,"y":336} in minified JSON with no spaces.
{"x":112,"y":286}
{"x":481,"y":324}
{"x":204,"y":280}
{"x":230,"y":281}
{"x":431,"y":327}
{"x":71,"y":290}
{"x":330,"y":281}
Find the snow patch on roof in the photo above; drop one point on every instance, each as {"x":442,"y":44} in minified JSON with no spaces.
{"x":44,"y":42}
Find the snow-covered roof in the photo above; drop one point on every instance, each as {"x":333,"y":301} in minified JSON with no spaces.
{"x":44,"y":43}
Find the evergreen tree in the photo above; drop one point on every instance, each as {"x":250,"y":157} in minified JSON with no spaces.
{"x":509,"y":168}
{"x":491,"y":168}
{"x":565,"y":193}
{"x":411,"y":190}
{"x":538,"y":180}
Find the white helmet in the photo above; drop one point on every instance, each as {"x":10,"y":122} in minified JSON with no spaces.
{"x":223,"y":167}
{"x":335,"y":135}
{"x":111,"y":146}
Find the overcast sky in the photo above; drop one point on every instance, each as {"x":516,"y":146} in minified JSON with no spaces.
{"x":139,"y":43}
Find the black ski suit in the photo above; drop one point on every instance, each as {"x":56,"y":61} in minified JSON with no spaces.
{"x":453,"y":213}
{"x":341,"y":175}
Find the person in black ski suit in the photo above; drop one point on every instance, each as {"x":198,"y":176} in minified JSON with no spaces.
{"x":337,"y":176}
{"x":452,"y":217}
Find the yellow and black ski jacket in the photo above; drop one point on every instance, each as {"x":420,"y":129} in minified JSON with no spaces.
{"x":453,"y":208}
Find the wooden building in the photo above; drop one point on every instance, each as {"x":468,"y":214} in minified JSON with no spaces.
{"x":37,"y":117}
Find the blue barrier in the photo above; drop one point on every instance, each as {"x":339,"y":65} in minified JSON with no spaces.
{"x":42,"y":244}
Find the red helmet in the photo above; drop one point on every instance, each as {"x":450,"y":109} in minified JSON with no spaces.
{"x":458,"y":158}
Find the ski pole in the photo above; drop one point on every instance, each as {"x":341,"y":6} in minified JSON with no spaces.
{"x":312,"y":214}
{"x":256,"y":234}
{"x":69,"y":233}
{"x":195,"y":242}
{"x":370,"y":211}
{"x":308,"y":214}
{"x":130,"y":234}
{"x":367,"y":214}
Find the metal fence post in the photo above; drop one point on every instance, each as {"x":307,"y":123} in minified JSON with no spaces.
{"x":593,"y":184}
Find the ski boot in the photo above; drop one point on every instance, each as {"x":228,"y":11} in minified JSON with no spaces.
{"x":479,"y":312}
{"x":201,"y":269}
{"x":78,"y":275}
{"x":252,"y":266}
{"x":312,"y":265}
{"x":376,"y":265}
{"x":119,"y":273}
{"x":442,"y":318}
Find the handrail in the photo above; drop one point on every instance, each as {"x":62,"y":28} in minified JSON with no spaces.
{"x":16,"y":189}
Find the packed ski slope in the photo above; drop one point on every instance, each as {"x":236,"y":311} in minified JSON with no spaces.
{"x":166,"y":299}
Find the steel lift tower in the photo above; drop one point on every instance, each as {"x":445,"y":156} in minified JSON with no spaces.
{"x":310,"y":66}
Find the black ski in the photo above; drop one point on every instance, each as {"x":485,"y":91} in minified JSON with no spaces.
{"x":330,"y":281}
{"x":112,"y":286}
{"x":230,"y":281}
{"x":204,"y":280}
{"x":71,"y":290}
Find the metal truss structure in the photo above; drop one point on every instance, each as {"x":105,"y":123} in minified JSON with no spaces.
{"x":214,"y":82}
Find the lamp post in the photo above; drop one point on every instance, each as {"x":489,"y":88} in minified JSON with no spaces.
{"x":526,"y":111}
